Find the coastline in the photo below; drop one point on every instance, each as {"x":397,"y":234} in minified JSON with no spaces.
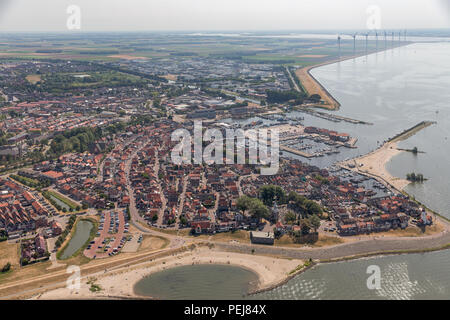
{"x":313,"y":86}
{"x":271,"y":272}
{"x":374,"y":163}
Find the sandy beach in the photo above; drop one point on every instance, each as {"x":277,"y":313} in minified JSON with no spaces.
{"x":374,"y":165}
{"x":120,"y":283}
{"x":312,"y":86}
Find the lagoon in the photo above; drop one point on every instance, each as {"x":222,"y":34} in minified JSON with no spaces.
{"x":198,"y":282}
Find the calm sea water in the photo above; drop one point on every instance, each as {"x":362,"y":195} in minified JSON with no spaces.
{"x":405,"y":277}
{"x":198,"y":282}
{"x":395,"y":90}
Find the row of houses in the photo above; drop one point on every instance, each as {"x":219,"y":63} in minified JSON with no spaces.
{"x":19,"y":210}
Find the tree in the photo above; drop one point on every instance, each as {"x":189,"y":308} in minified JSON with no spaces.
{"x":314,"y":222}
{"x":270,"y":193}
{"x":6,"y":267}
{"x":259,"y":210}
{"x":315,"y":97}
{"x":243,"y":203}
{"x":305,"y":228}
{"x":290,"y":217}
{"x":313,"y":208}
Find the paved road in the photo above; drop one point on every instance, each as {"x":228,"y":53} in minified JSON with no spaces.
{"x":136,"y":219}
{"x":292,"y":79}
{"x":362,"y":247}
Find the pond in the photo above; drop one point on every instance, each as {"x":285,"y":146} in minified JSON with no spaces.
{"x":59,"y":202}
{"x":198,"y":282}
{"x":80,"y":237}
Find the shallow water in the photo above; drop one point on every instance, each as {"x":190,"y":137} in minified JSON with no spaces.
{"x":198,"y":282}
{"x":404,"y":277}
{"x":395,"y":90}
{"x":81,"y":235}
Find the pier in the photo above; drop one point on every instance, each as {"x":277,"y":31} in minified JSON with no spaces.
{"x":331,"y":117}
{"x":412,"y":131}
{"x":297,"y":152}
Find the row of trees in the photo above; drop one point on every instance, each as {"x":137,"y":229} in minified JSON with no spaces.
{"x":277,"y":96}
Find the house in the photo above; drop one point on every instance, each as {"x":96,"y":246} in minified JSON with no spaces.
{"x":200,"y":227}
{"x":257,"y":237}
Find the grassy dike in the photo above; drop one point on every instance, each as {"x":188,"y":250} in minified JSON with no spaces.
{"x":72,"y":232}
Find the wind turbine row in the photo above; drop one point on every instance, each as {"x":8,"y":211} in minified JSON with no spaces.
{"x":366,"y":35}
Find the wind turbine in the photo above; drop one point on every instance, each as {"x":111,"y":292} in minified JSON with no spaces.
{"x":392,"y":36}
{"x":376,"y":39}
{"x":354,"y":42}
{"x":367,"y":41}
{"x":385,"y":39}
{"x":404,"y":34}
{"x":339,"y":44}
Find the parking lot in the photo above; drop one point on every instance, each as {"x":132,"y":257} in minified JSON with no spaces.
{"x":133,"y":243}
{"x":111,"y":235}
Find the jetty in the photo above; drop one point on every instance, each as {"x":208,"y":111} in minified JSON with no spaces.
{"x":411,"y":131}
{"x":297,"y":152}
{"x":331,"y":117}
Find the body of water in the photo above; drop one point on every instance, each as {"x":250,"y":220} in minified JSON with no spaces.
{"x":80,"y":237}
{"x":395,"y":90}
{"x":403,"y":277}
{"x":198,"y":282}
{"x":60,"y":203}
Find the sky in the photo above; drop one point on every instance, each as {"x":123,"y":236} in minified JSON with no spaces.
{"x":225,"y":15}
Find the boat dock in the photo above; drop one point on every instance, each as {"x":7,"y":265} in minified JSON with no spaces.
{"x":297,"y":152}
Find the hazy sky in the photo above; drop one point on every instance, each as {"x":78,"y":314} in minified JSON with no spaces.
{"x":131,"y":15}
